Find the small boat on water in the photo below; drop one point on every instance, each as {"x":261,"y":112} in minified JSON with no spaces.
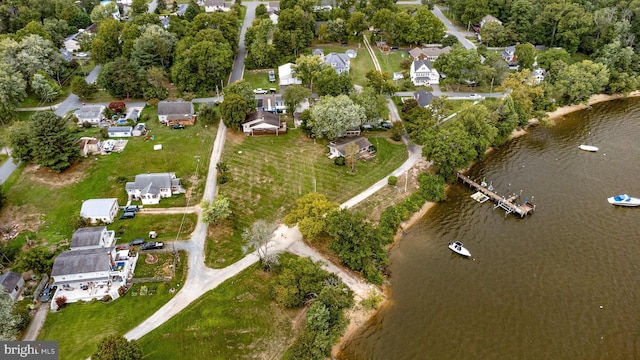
{"x":588,"y":148}
{"x":624,"y":200}
{"x":458,"y":247}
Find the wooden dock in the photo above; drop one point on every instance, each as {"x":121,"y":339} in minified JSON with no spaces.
{"x":507,"y":204}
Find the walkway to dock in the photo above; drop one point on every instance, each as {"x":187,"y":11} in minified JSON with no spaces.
{"x":507,"y":204}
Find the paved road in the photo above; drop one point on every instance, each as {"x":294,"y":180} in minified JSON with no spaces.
{"x":452,"y":29}
{"x":152,"y":6}
{"x":238,"y":65}
{"x":37,"y":322}
{"x":92,"y":77}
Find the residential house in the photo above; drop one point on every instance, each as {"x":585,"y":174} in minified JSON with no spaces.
{"x":139,"y":130}
{"x":538,"y":75}
{"x":72,"y":43}
{"x":423,"y":98}
{"x":120,"y":131}
{"x":509,"y":55}
{"x":216,"y":6}
{"x":428,"y":53}
{"x":339,"y":62}
{"x":262,"y":123}
{"x":285,"y":73}
{"x":274,"y":18}
{"x":337,"y":148}
{"x":132,"y":115}
{"x":93,"y":273}
{"x":352,"y":54}
{"x":67,"y":56}
{"x":318,"y":52}
{"x":489,"y":18}
{"x":12,"y":283}
{"x":104,"y":210}
{"x":89,"y":146}
{"x":91,"y":114}
{"x":272,"y":103}
{"x":423,"y":73}
{"x":182,"y":9}
{"x":92,"y":238}
{"x":150,"y":188}
{"x":176,"y":112}
{"x":165,"y":21}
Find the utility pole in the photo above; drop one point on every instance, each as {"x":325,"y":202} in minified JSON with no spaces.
{"x":491,"y":90}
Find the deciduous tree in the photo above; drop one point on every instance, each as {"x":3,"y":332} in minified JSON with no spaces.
{"x":106,"y":46}
{"x":333,"y":116}
{"x":139,"y":7}
{"x":242,"y":88}
{"x":294,"y":95}
{"x":307,"y":69}
{"x":12,"y":91}
{"x":44,"y":87}
{"x":219,"y":209}
{"x":115,"y":347}
{"x":153,"y":47}
{"x":122,"y":79}
{"x":257,"y":238}
{"x":233,"y":110}
{"x":8,"y":320}
{"x":526,"y":55}
{"x":329,"y":82}
{"x":311,"y":214}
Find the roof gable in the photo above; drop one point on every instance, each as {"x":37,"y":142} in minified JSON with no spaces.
{"x":82,"y":261}
{"x":87,"y":236}
{"x":175,"y":108}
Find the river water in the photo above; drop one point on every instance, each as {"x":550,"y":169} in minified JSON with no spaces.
{"x":563,"y":283}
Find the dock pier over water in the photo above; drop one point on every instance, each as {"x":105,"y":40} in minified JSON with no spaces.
{"x":507,"y":204}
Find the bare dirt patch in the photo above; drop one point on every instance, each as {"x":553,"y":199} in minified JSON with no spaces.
{"x":234,"y":137}
{"x":20,"y":218}
{"x":73,"y":175}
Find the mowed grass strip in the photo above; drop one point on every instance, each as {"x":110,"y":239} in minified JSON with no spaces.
{"x":236,"y":320}
{"x":57,"y":198}
{"x":166,"y":225}
{"x":80,"y":326}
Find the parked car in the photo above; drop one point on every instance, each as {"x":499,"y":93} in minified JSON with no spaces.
{"x":394,"y":48}
{"x":138,"y":241}
{"x":177,"y":126}
{"x":387,"y":125}
{"x":272,"y":76}
{"x":475,"y":96}
{"x":152,"y":245}
{"x":128,"y":215}
{"x":48,"y":292}
{"x":260,"y":91}
{"x":273,"y":90}
{"x":132,"y":208}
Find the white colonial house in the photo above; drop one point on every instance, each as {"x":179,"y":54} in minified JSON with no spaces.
{"x":339,"y":62}
{"x":423,"y":73}
{"x":150,"y":188}
{"x":93,"y":273}
{"x":92,"y":238}
{"x":104,"y":210}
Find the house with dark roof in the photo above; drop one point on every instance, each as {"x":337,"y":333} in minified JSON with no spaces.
{"x":424,"y":98}
{"x":92,"y":238}
{"x":423,"y":73}
{"x":12,"y":284}
{"x":263,"y":123}
{"x":104,"y":210}
{"x":150,"y":188}
{"x":318,"y":52}
{"x":428,"y":53}
{"x":176,"y":112}
{"x":94,"y":273}
{"x":337,"y":147}
{"x":272,"y":103}
{"x":339,"y":62}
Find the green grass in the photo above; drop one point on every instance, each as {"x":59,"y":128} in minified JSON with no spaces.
{"x":237,"y":320}
{"x":104,"y":176}
{"x":260,"y":79}
{"x":359,"y":66}
{"x":34,"y":101}
{"x":3,"y":158}
{"x":390,"y":61}
{"x":166,"y":225}
{"x":144,"y":270}
{"x":268,"y":173}
{"x":80,"y":326}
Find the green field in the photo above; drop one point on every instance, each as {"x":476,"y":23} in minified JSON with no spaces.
{"x":236,"y":320}
{"x":56,"y":199}
{"x":80,"y":326}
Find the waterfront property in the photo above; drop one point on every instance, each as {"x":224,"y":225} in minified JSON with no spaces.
{"x":507,"y":204}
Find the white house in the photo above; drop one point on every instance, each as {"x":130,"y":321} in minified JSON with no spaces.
{"x":92,"y":238}
{"x":175,"y":111}
{"x":120,"y":131}
{"x":337,"y":148}
{"x":91,"y":114}
{"x":139,"y":130}
{"x":509,"y":55}
{"x":537,"y":76}
{"x":89,"y":146}
{"x":216,"y":6}
{"x":285,"y":72}
{"x":422,"y":73}
{"x":12,"y":283}
{"x":262,"y":122}
{"x":104,"y":210}
{"x":88,"y":274}
{"x":339,"y":62}
{"x":150,"y":188}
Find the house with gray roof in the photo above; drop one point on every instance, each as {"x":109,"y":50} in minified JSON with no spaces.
{"x":318,"y":52}
{"x":150,"y":188}
{"x":92,"y":238}
{"x":12,"y":284}
{"x":216,"y":6}
{"x":139,"y":130}
{"x":423,"y":73}
{"x":120,"y":131}
{"x":172,"y":112}
{"x":428,"y":53}
{"x":489,"y":18}
{"x":94,"y":273}
{"x":339,"y":62}
{"x":263,"y":122}
{"x":337,"y":148}
{"x":91,"y":114}
{"x":104,"y":210}
{"x":182,"y":9}
{"x":424,"y":98}
{"x":351,"y":53}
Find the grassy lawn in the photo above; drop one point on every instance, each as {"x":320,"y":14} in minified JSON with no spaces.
{"x":33,"y":101}
{"x":158,"y":269}
{"x":55,"y":199}
{"x":260,"y":79}
{"x":237,"y":320}
{"x":359,"y":66}
{"x":166,"y":225}
{"x":79,"y":327}
{"x":3,"y":158}
{"x":268,"y":173}
{"x":390,"y":61}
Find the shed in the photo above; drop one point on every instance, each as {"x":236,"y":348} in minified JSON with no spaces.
{"x":139,"y":130}
{"x":120,"y":131}
{"x":103,"y":210}
{"x":13,"y":283}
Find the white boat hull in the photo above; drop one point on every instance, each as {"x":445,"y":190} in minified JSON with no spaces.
{"x":588,"y":148}
{"x":624,"y":200}
{"x":458,"y":248}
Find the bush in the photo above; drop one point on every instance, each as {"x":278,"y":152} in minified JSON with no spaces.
{"x":339,"y":161}
{"x":371,"y":302}
{"x":61,"y":302}
{"x":122,"y":290}
{"x":393,"y":180}
{"x":153,"y":102}
{"x":86,"y":125}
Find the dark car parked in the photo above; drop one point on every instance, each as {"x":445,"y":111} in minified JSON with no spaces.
{"x":138,"y":241}
{"x":177,"y":126}
{"x":48,"y":292}
{"x":131,"y":208}
{"x":152,"y":245}
{"x":128,"y":215}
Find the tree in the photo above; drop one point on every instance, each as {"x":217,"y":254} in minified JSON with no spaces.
{"x":244,"y":89}
{"x":106,"y":46}
{"x":329,"y":82}
{"x":523,"y":93}
{"x":333,"y":116}
{"x":38,"y":259}
{"x":218,"y":210}
{"x":202,"y":66}
{"x":139,"y":7}
{"x":307,"y":69}
{"x":381,"y":82}
{"x":310,"y":214}
{"x":257,"y":238}
{"x":52,"y":142}
{"x":162,"y":6}
{"x":207,"y":114}
{"x":37,"y":54}
{"x":374,"y":104}
{"x":294,"y":95}
{"x":80,"y":87}
{"x":12,"y":91}
{"x":233,"y":110}
{"x":103,"y":12}
{"x":356,"y":24}
{"x":118,"y":107}
{"x":153,"y":47}
{"x":298,"y":280}
{"x":581,"y":80}
{"x":352,"y":155}
{"x":450,"y":148}
{"x":459,"y":64}
{"x":476,"y":122}
{"x":9,"y":321}
{"x":115,"y":347}
{"x":19,"y":137}
{"x":44,"y":87}
{"x":121,"y":79}
{"x":526,"y":55}
{"x":431,"y":28}
{"x":493,"y":34}
{"x":546,"y":58}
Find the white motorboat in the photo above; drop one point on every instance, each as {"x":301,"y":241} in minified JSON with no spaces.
{"x":458,"y":247}
{"x":588,"y":148}
{"x":624,"y":200}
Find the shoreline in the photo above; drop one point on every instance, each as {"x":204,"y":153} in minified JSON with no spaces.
{"x":358,"y":317}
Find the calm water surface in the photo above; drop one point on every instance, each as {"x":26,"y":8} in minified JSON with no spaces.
{"x":563,"y":283}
